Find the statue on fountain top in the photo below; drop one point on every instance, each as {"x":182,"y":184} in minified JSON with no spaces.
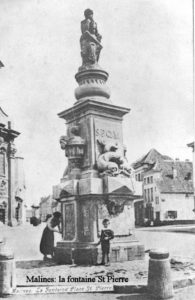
{"x":90,"y":42}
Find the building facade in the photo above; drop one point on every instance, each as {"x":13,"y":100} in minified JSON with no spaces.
{"x":167,"y":188}
{"x":12,"y":183}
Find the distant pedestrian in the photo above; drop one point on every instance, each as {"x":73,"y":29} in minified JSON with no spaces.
{"x":47,"y":240}
{"x":106,"y":235}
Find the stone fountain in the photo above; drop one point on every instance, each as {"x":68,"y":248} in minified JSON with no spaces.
{"x":97,"y":183}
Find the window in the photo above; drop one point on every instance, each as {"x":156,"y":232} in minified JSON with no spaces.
{"x":148,"y":179}
{"x":188,"y":176}
{"x":151,"y":179}
{"x":148,"y":192}
{"x":145,"y":180}
{"x":172,"y":214}
{"x":140,"y":177}
{"x":157,"y":200}
{"x":151,"y":194}
{"x":2,"y":164}
{"x":145,"y":195}
{"x":158,"y":215}
{"x":2,"y":215}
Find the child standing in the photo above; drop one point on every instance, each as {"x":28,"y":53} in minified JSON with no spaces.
{"x":106,"y":235}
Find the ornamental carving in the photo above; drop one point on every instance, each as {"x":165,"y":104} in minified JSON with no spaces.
{"x":12,"y":150}
{"x":3,"y":188}
{"x":112,"y":160}
{"x":115,"y":206}
{"x":74,"y":147}
{"x":3,"y":145}
{"x":69,"y":226}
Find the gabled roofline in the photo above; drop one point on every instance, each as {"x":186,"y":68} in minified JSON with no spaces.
{"x":191,"y":193}
{"x":3,"y":112}
{"x":146,"y":159}
{"x":191,"y":145}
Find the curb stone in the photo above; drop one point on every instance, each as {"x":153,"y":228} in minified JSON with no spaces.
{"x":184,"y":282}
{"x":130,"y":289}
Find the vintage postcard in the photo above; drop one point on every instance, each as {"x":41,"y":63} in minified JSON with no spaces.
{"x":97,"y":149}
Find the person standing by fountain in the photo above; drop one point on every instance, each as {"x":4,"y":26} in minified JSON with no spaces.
{"x":47,"y":240}
{"x":106,"y":235}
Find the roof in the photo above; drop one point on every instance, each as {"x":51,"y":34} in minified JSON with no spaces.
{"x":122,"y":190}
{"x":150,"y":158}
{"x":176,"y":177}
{"x":45,"y":199}
{"x":191,"y":145}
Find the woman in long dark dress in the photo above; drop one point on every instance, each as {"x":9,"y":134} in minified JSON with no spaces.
{"x":47,"y":240}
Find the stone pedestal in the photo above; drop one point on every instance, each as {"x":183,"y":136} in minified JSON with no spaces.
{"x":85,"y":203}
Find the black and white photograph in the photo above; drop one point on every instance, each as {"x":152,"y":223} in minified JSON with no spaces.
{"x":97,"y":157}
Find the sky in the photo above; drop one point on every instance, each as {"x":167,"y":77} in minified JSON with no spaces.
{"x":147,"y":51}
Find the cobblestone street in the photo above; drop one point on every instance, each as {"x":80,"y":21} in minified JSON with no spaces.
{"x":178,"y":243}
{"x":24,"y":240}
{"x":135,"y":271}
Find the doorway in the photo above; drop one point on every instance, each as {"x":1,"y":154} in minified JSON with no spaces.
{"x":2,"y":215}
